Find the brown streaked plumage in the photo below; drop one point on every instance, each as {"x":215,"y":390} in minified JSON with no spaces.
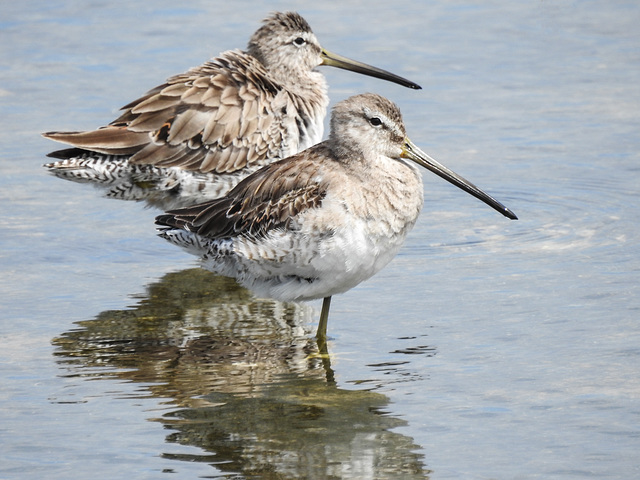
{"x":320,"y":222}
{"x":194,"y":137}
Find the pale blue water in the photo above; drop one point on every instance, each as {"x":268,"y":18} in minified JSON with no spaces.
{"x":488,"y":349}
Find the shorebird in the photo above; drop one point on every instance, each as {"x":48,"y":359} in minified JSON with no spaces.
{"x":196,"y":136}
{"x":320,"y":222}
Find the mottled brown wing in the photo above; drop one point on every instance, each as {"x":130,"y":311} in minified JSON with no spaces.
{"x":218,"y":117}
{"x":268,"y":199}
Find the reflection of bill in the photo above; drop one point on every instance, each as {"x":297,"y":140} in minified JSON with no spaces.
{"x":249,"y":382}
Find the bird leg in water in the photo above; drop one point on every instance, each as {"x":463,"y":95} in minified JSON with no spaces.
{"x":321,"y":334}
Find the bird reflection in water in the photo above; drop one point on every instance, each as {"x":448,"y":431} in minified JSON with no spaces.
{"x":256,"y":397}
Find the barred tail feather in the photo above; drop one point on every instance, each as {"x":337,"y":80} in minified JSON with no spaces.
{"x":165,"y":188}
{"x":103,"y":170}
{"x":189,"y":241}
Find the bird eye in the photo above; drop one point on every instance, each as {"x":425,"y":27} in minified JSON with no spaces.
{"x":299,"y":41}
{"x":375,"y":121}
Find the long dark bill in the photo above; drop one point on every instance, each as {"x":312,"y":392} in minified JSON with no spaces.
{"x":335,"y":60}
{"x":412,"y":152}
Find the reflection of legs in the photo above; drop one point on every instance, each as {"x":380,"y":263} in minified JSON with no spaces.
{"x":329,"y":375}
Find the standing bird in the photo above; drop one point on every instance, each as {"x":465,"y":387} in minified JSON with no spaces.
{"x":319,"y":223}
{"x":196,"y":136}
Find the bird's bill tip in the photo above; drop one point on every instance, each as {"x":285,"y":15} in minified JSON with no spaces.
{"x":338,"y":61}
{"x":412,"y":152}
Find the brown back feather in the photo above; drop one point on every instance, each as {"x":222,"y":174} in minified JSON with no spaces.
{"x":270,"y":198}
{"x":209,"y":119}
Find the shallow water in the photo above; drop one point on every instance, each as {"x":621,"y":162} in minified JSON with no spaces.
{"x":487,"y":349}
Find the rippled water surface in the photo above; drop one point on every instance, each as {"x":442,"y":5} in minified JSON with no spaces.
{"x":487,"y":349}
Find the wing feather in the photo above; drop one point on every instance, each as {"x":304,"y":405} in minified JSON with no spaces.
{"x":186,"y":125}
{"x":206,"y":120}
{"x":270,"y":198}
{"x":107,"y":140}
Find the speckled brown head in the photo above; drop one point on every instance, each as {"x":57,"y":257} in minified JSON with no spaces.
{"x":288,"y":48}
